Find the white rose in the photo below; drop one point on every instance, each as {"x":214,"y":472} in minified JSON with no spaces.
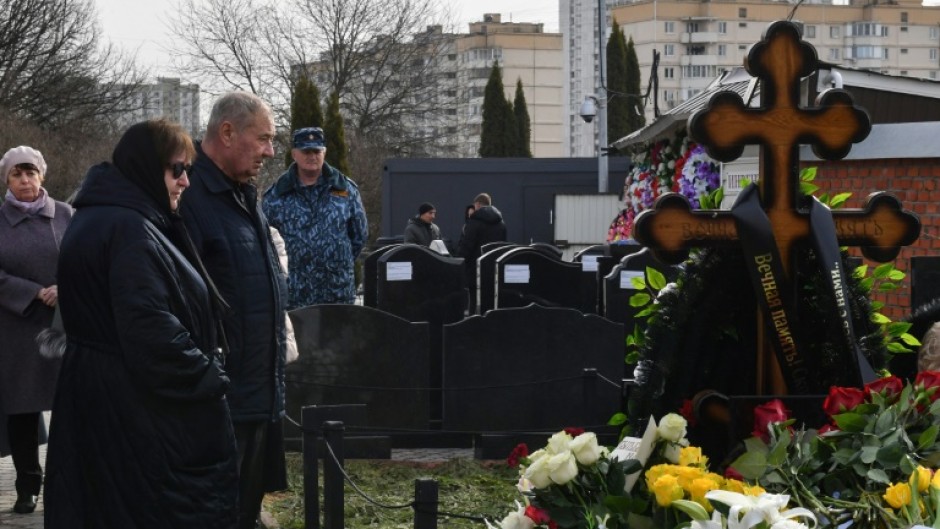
{"x":562,"y":468}
{"x":671,"y":453}
{"x":558,"y":443}
{"x":524,"y":485}
{"x":538,"y":454}
{"x":537,"y":473}
{"x":672,"y":427}
{"x":517,"y":520}
{"x":585,"y":448}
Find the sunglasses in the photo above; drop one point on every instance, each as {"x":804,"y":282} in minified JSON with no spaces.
{"x":179,"y":167}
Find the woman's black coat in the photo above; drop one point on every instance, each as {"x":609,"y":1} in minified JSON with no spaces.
{"x":141,"y":434}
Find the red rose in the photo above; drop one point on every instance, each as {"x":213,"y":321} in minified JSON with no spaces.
{"x":890,"y":387}
{"x":930,"y":381}
{"x":841,"y":400}
{"x":574,"y":431}
{"x":539,"y":516}
{"x":688,"y":412}
{"x":767,"y":414}
{"x":520,"y":451}
{"x":826,"y":428}
{"x":732,"y":473}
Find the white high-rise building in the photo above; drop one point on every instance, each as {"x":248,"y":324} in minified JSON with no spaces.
{"x":166,"y":98}
{"x":579,"y":25}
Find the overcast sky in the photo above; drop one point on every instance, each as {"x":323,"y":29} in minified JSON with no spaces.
{"x":142,"y":24}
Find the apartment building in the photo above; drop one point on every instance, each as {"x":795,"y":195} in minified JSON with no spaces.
{"x":524,"y":51}
{"x":168,"y":98}
{"x":698,"y":39}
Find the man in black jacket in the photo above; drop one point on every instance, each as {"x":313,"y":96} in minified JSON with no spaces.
{"x":485,"y":225}
{"x":421,"y":228}
{"x":225,"y":220}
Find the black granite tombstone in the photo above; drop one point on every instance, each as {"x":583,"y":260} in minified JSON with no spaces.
{"x":522,"y":369}
{"x":359,"y":355}
{"x":486,"y":277}
{"x":548,"y":249}
{"x":370,"y":275}
{"x":528,"y":275}
{"x":595,"y":264}
{"x":618,"y":288}
{"x":419,"y":284}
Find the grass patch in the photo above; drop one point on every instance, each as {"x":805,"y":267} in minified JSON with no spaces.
{"x":466,"y":487}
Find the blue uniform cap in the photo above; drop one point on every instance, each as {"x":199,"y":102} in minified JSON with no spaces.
{"x":309,"y":138}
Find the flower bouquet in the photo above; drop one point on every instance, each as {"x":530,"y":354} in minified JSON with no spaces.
{"x":865,"y":465}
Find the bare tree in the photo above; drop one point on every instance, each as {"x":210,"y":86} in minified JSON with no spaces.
{"x":54,"y":71}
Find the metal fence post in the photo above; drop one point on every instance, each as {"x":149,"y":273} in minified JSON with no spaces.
{"x":333,"y":475}
{"x":425,"y":505}
{"x":311,"y":469}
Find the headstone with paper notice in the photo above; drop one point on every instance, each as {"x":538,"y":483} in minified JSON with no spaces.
{"x":527,"y":275}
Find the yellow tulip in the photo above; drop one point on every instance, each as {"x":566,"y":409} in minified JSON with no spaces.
{"x":935,"y":482}
{"x":654,"y":472}
{"x":920,"y":478}
{"x":898,"y":495}
{"x":688,"y":474}
{"x":667,"y":489}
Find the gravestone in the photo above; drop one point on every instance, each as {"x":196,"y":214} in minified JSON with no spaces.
{"x":596,"y":263}
{"x":522,"y":369}
{"x":486,"y":276}
{"x":418,"y":284}
{"x":548,"y":249}
{"x":925,"y":280}
{"x":370,"y":275}
{"x":359,"y":355}
{"x":528,"y":275}
{"x":618,"y":288}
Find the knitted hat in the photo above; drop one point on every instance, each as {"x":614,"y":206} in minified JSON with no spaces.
{"x":424,"y":208}
{"x":18,"y":155}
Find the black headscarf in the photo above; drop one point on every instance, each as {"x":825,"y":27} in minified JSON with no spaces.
{"x":136,"y":158}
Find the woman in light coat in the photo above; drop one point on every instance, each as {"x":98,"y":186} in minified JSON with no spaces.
{"x":31,"y":228}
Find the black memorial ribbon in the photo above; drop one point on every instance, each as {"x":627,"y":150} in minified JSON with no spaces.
{"x":771,"y":286}
{"x":826,"y":244}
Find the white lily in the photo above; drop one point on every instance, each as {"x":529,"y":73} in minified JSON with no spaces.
{"x":746,"y":512}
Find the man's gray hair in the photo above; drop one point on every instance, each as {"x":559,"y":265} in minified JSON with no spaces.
{"x":238,"y":108}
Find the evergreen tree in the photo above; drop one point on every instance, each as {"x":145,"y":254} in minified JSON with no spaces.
{"x":498,"y":131}
{"x":523,"y":123}
{"x":618,"y":106}
{"x":335,"y":136}
{"x":633,"y":86}
{"x":304,"y":109}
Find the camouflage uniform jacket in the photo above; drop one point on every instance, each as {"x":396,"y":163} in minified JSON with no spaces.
{"x":324,"y":227}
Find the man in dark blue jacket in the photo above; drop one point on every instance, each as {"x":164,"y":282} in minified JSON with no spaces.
{"x":224,"y":218}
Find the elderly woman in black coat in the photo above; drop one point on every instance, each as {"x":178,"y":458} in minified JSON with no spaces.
{"x":31,"y":228}
{"x":141,"y":435}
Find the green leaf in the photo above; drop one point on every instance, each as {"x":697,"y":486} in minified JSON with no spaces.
{"x":860,"y":271}
{"x":878,"y":317}
{"x":693,"y":509}
{"x":850,"y":422}
{"x":896,"y":275}
{"x":867,"y":283}
{"x":755,"y":444}
{"x":645,"y":312}
{"x":928,"y":437}
{"x":638,"y":283}
{"x":617,"y":419}
{"x":640,"y":299}
{"x":898,"y":327}
{"x":807,"y":174}
{"x":868,"y":454}
{"x":909,"y":339}
{"x":655,"y":278}
{"x":751,"y":465}
{"x":887,"y":287}
{"x":808,"y":189}
{"x":878,"y":476}
{"x":881,"y":271}
{"x":778,"y":454}
{"x":896,"y":348}
{"x":877,"y":305}
{"x":838,"y":200}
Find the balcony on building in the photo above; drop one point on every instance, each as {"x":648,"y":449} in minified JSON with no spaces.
{"x":704,"y":37}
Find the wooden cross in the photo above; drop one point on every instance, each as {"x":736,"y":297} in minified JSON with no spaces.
{"x":779,"y":125}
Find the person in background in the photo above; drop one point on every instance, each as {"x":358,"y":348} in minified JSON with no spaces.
{"x":141,"y":436}
{"x":233,"y":238}
{"x":319,"y":212}
{"x":31,"y":227}
{"x":468,"y":211}
{"x":421,"y":228}
{"x":484,"y":226}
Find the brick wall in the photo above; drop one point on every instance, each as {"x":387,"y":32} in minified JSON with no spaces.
{"x":916,"y":182}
